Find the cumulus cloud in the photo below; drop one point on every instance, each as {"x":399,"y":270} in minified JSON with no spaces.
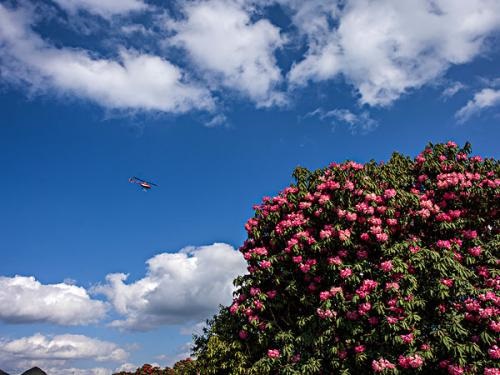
{"x":178,"y":287}
{"x":135,"y":81}
{"x":78,"y":371}
{"x":222,"y":40}
{"x":57,"y":352}
{"x":382,"y":47}
{"x":486,"y":98}
{"x":105,"y":8}
{"x":26,"y":300}
{"x":361,"y":122}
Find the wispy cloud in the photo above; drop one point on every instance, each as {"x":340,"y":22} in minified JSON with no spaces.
{"x":105,"y":8}
{"x":484,"y":99}
{"x":134,"y":81}
{"x":361,"y":122}
{"x":452,"y":89}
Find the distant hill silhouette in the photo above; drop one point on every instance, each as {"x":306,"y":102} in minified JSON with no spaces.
{"x":3,"y":372}
{"x":34,"y":371}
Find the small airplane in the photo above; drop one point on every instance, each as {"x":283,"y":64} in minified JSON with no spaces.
{"x":145,"y":185}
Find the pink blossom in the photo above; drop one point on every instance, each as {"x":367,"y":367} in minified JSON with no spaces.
{"x":365,"y":236}
{"x":272,"y":294}
{"x":443,"y":244}
{"x":392,"y":319}
{"x":344,"y":234}
{"x":447,"y":282}
{"x":297,"y":259}
{"x":260,"y":251}
{"x":305,"y":268}
{"x":304,"y":205}
{"x":370,"y":197}
{"x":394,"y":286}
{"x":391,"y":222}
{"x":494,"y":352}
{"x":258,"y":305}
{"x":382,"y":237}
{"x":334,"y":290}
{"x":475,"y":251}
{"x":373,"y":320}
{"x":351,"y":216}
{"x":264,"y":264}
{"x":345,"y":273}
{"x":414,"y":361}
{"x":381,"y":365}
{"x":323,"y":296}
{"x":335,"y":260}
{"x":273,"y":353}
{"x":494,"y":326}
{"x":359,"y":348}
{"x":243,"y":334}
{"x":389,"y":193}
{"x":386,"y":266}
{"x":491,"y":371}
{"x":234,"y":308}
{"x":254,"y":291}
{"x":407,"y":339}
{"x":349,"y":185}
{"x":470,"y":234}
{"x":455,"y":370}
{"x":364,"y":308}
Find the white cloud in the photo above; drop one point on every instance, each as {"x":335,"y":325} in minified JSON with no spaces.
{"x":106,"y":8}
{"x":217,"y":120}
{"x":361,"y":122}
{"x":178,"y":287}
{"x":136,"y":81}
{"x":62,"y":347}
{"x":386,"y":48}
{"x":222,"y":41}
{"x":129,"y":367}
{"x":78,"y":371}
{"x":57,"y":352}
{"x":486,"y":98}
{"x":452,"y":89}
{"x":26,"y":300}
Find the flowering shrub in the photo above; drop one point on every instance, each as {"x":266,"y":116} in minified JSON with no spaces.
{"x":375,"y":268}
{"x":183,"y":367}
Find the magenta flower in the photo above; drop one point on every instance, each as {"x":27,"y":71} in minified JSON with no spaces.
{"x":386,"y":266}
{"x":273,"y":353}
{"x":345,"y":273}
{"x":475,"y":251}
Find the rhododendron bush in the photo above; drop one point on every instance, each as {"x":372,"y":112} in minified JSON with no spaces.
{"x":375,"y":268}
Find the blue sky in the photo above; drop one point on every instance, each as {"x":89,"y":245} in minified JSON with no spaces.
{"x":216,"y":101}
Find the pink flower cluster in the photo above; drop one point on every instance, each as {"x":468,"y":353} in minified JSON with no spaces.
{"x":273,"y":353}
{"x":411,"y":361}
{"x":382,"y":364}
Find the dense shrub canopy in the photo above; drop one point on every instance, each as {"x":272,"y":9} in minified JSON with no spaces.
{"x":375,"y":268}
